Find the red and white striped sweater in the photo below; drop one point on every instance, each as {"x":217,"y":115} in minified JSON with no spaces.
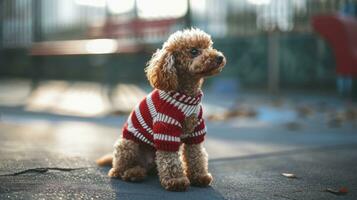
{"x":158,"y":120}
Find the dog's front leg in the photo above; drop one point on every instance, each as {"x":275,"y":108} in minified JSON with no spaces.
{"x":196,"y":161}
{"x":170,"y":170}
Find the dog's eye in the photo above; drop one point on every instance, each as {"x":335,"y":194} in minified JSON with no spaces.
{"x":194,"y":52}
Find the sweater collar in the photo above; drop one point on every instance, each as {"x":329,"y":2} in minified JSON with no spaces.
{"x":183,"y":98}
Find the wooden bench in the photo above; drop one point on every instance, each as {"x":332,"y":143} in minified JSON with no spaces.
{"x":120,"y":37}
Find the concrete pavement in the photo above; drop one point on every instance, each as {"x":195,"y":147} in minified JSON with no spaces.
{"x":54,"y":155}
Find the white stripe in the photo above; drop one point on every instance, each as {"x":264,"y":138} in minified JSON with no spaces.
{"x":197,"y":133}
{"x":165,"y":137}
{"x":190,"y":110}
{"x":193,"y":99}
{"x":142,"y":121}
{"x":184,"y":108}
{"x":141,"y":137}
{"x":167,"y":119}
{"x":136,"y":133}
{"x":170,"y":97}
{"x":200,"y":121}
{"x":182,"y":97}
{"x":151,"y":106}
{"x":171,"y":100}
{"x":163,"y":95}
{"x":164,"y":118}
{"x":187,"y":99}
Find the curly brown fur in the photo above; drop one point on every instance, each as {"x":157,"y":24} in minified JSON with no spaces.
{"x":173,"y":67}
{"x":170,"y":171}
{"x":182,"y":63}
{"x":126,"y":162}
{"x":160,"y":71}
{"x":196,"y":164}
{"x":190,"y":124}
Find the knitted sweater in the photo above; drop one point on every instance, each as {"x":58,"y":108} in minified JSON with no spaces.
{"x":159,"y":118}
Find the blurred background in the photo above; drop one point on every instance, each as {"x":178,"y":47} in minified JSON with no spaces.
{"x":270,"y":45}
{"x":290,"y":64}
{"x":72,"y":70}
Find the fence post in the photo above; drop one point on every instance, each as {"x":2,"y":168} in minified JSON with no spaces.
{"x":273,"y":61}
{"x":36,"y":61}
{"x":188,"y":18}
{"x":2,"y":19}
{"x":36,"y":20}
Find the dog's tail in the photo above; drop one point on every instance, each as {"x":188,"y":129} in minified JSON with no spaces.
{"x":106,"y":160}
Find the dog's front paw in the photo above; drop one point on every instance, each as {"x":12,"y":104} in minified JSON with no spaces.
{"x":202,"y":180}
{"x":114,"y":173}
{"x":176,"y":184}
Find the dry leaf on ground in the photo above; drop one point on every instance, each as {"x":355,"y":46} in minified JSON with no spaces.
{"x":341,"y":191}
{"x":236,"y":112}
{"x":289,"y":175}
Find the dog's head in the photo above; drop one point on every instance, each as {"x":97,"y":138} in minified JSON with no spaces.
{"x":186,"y":53}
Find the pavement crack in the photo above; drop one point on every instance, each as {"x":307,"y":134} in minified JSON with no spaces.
{"x":43,"y":170}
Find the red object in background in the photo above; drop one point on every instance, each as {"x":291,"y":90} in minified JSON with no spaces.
{"x":341,"y":33}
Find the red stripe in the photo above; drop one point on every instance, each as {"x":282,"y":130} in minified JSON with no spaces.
{"x":166,"y":145}
{"x":173,"y":112}
{"x":194,"y":140}
{"x":164,"y":107}
{"x":167,"y":129}
{"x":155,"y":97}
{"x":141,"y":129}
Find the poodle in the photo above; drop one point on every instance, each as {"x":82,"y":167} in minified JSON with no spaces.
{"x":166,"y":130}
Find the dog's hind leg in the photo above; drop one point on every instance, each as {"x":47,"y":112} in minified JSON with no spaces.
{"x":126,"y":161}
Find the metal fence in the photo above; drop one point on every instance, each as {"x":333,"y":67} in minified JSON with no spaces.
{"x":26,"y":21}
{"x":16,"y":23}
{"x":259,"y":16}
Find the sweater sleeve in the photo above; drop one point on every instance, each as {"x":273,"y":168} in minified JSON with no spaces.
{"x":199,"y":132}
{"x":167,"y":131}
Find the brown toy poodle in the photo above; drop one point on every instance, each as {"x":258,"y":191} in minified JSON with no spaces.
{"x":170,"y":117}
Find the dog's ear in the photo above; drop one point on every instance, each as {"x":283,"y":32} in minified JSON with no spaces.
{"x":161,"y":72}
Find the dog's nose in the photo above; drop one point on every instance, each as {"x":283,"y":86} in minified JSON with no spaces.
{"x":219,"y":59}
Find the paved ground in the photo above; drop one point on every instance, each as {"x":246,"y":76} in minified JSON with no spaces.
{"x":46,"y":156}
